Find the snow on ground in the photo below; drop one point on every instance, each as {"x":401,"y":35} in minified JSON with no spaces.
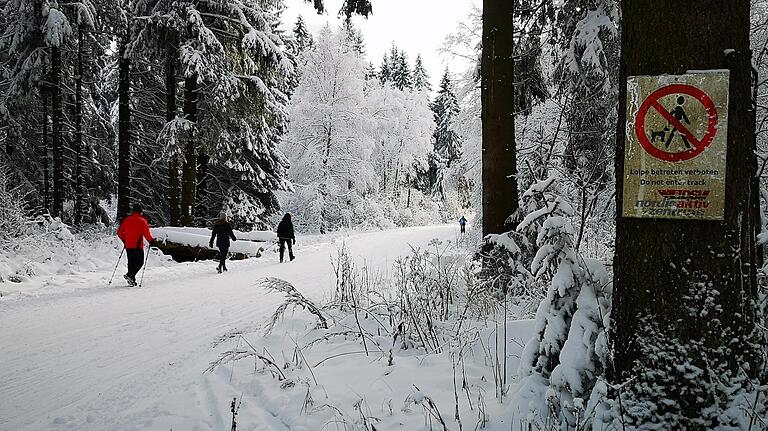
{"x":87,"y":356}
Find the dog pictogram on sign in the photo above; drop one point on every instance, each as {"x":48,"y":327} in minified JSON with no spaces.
{"x":662,"y":144}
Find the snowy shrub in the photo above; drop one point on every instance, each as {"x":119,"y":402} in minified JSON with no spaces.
{"x":699,"y":372}
{"x":48,"y":246}
{"x":352,"y":285}
{"x":13,"y":213}
{"x":420,"y":211}
{"x":501,"y":273}
{"x":562,"y":365}
{"x":504,"y":260}
{"x":427,"y":293}
{"x":374,"y":213}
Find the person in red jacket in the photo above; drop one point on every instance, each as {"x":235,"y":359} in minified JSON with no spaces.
{"x":132,"y":231}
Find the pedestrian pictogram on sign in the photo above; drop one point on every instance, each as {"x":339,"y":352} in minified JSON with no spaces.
{"x":675,"y":149}
{"x":678,"y":124}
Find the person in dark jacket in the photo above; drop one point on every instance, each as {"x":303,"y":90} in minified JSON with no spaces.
{"x":286,"y":235}
{"x":222,"y":232}
{"x":463,"y":224}
{"x":132,"y":231}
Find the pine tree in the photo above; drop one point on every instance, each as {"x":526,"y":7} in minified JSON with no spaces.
{"x":420,"y":77}
{"x":302,"y":37}
{"x":385,"y":71}
{"x":445,"y":109}
{"x":401,"y":71}
{"x":56,"y":30}
{"x":589,"y":68}
{"x":370,"y":72}
{"x":354,"y":37}
{"x":26,"y":65}
{"x":235,"y":96}
{"x":556,"y":388}
{"x":84,"y":20}
{"x":447,"y":143}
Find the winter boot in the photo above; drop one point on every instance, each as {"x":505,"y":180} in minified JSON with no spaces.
{"x":218,"y":269}
{"x":131,"y":281}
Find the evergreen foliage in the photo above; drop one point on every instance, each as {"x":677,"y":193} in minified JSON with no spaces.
{"x":354,"y":37}
{"x":385,"y":71}
{"x":401,"y":70}
{"x":302,"y":38}
{"x":62,"y":78}
{"x":446,"y":141}
{"x":420,"y":76}
{"x":348,"y":8}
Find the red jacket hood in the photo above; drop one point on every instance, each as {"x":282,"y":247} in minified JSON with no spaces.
{"x":133,"y":230}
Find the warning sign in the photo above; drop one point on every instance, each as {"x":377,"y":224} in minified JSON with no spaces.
{"x":675,"y":149}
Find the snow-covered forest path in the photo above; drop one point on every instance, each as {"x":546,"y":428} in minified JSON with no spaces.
{"x":118,"y":358}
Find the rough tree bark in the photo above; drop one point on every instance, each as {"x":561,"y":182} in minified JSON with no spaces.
{"x":661,"y":266}
{"x":44,"y":151}
{"x":124,"y":135}
{"x":174,"y":191}
{"x":189,"y":167}
{"x":57,"y":144}
{"x":201,"y":211}
{"x":80,"y":198}
{"x":498,"y":90}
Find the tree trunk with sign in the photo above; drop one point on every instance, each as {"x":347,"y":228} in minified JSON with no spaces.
{"x":498,"y":91}
{"x":684,"y":309}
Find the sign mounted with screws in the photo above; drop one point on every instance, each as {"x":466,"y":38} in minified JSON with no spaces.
{"x":676,"y":145}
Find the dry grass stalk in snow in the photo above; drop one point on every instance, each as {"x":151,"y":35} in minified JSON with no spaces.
{"x":293,"y":298}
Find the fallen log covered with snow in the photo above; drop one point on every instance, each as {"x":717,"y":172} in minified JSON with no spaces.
{"x":188,"y":244}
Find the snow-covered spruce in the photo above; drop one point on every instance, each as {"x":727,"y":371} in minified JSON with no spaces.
{"x":236,"y":105}
{"x":562,"y":367}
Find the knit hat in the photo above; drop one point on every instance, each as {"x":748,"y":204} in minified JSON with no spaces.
{"x":223,"y":216}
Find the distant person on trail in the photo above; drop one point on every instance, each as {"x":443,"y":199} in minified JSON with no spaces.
{"x":222,"y":232}
{"x":286,"y":235}
{"x":132,"y":231}
{"x":463,"y":224}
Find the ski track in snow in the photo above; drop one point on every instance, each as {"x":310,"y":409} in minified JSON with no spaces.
{"x":117,"y":358}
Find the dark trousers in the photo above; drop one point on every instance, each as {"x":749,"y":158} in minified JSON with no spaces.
{"x":135,"y":260}
{"x":463,"y":229}
{"x":284,"y":241}
{"x":223,"y":253}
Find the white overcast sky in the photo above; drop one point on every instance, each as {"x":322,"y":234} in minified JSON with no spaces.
{"x":415,"y":26}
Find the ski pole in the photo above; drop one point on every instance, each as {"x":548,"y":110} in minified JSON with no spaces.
{"x":144,"y":269}
{"x":116,"y":265}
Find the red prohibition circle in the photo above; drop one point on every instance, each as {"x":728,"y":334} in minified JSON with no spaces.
{"x":699,"y":145}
